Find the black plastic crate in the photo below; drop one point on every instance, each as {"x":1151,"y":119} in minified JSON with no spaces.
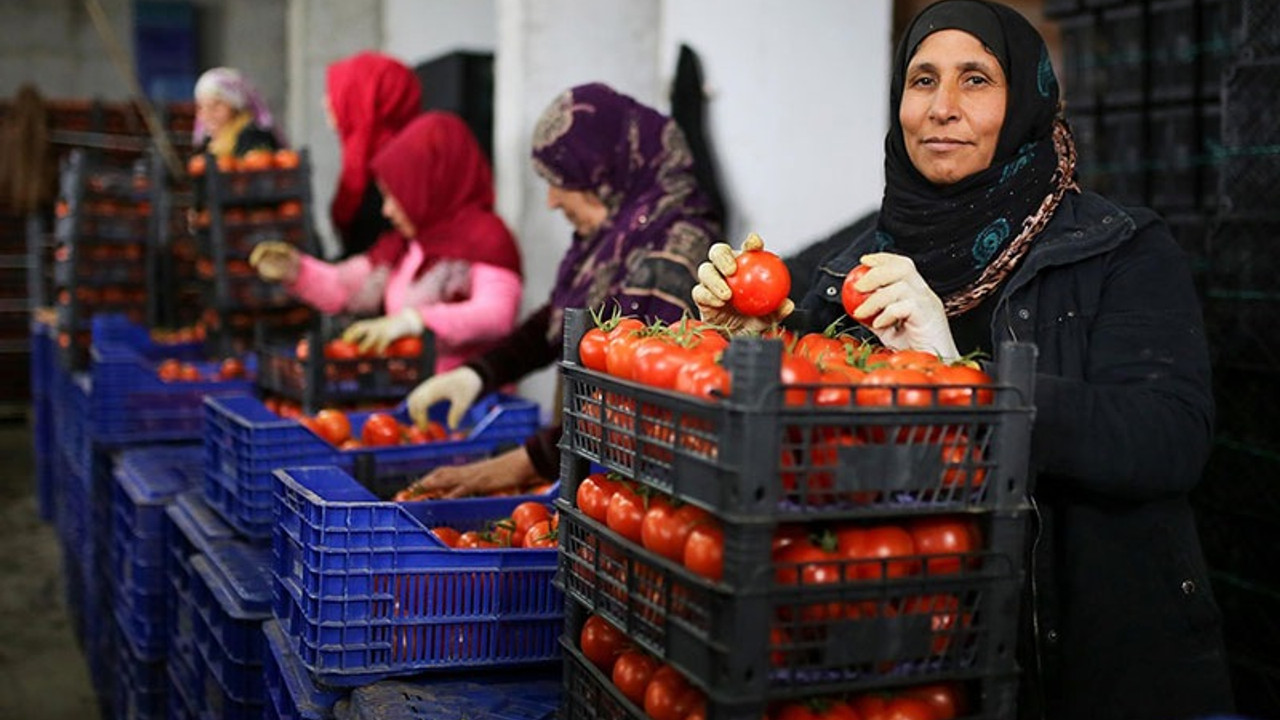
{"x":591,"y":695}
{"x":1244,"y":263}
{"x":735,"y":455}
{"x":1174,"y":49}
{"x":1102,"y":3}
{"x":1124,"y":156}
{"x":1081,"y":61}
{"x":1258,"y":31}
{"x":1219,"y":39}
{"x":1084,"y":128}
{"x":327,"y":377}
{"x":757,"y":635}
{"x":1250,"y":172}
{"x":1124,"y":56}
{"x":1210,"y":156}
{"x":1175,"y":142}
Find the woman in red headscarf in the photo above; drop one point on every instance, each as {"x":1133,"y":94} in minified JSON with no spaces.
{"x":449,"y":263}
{"x":369,"y":97}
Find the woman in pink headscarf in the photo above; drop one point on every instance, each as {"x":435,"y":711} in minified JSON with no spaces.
{"x":231,"y":116}
{"x":369,"y":97}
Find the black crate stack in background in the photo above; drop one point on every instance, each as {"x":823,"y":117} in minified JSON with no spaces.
{"x":1173,"y":104}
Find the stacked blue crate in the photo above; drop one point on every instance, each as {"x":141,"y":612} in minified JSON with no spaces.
{"x":231,"y":586}
{"x":291,"y":692}
{"x":148,"y":479}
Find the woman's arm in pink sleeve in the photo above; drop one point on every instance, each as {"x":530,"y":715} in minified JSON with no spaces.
{"x":328,"y":286}
{"x":489,"y":314}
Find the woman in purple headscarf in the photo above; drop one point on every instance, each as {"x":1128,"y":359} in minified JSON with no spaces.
{"x":231,"y":116}
{"x":622,"y":173}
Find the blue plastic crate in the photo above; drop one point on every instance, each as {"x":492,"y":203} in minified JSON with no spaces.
{"x":245,"y":442}
{"x":232,"y":590}
{"x":130,"y":404}
{"x":292,"y":694}
{"x":370,"y":592}
{"x":213,"y":700}
{"x":457,"y":700}
{"x":71,"y":420}
{"x":193,"y":528}
{"x":141,"y":683}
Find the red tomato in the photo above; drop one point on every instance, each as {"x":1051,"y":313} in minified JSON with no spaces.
{"x":626,"y":513}
{"x":447,"y":535}
{"x":414,"y":435}
{"x":540,"y":535}
{"x":333,"y":426}
{"x":619,"y":353}
{"x":851,"y":298}
{"x":958,"y":453}
{"x":339,"y":349}
{"x":876,"y":389}
{"x":842,"y":378}
{"x":601,"y":642}
{"x":704,"y":550}
{"x":657,"y":360}
{"x":591,"y":349}
{"x":824,"y":349}
{"x":887,"y":541}
{"x":948,"y":536}
{"x":966,"y":377}
{"x":666,"y":696}
{"x":303,"y":349}
{"x":405,"y":347}
{"x":703,"y":378}
{"x":231,"y":369}
{"x":169,"y":370}
{"x":665,"y":528}
{"x":914,"y":359}
{"x":380,"y":430}
{"x":759,"y":284}
{"x":189,"y":373}
{"x":822,"y":709}
{"x":947,"y":699}
{"x":527,"y":514}
{"x":632,"y":672}
{"x":594,"y":493}
{"x":798,"y":371}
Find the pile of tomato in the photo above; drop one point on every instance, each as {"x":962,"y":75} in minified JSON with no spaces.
{"x":252,"y":161}
{"x":173,"y":370}
{"x":530,"y":525}
{"x":379,"y":430}
{"x":664,"y":693}
{"x":826,"y":368}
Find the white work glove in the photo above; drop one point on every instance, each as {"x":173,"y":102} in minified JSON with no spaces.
{"x":712,"y":293}
{"x":907,"y":314}
{"x":378,"y":333}
{"x":460,"y":386}
{"x":275,"y":261}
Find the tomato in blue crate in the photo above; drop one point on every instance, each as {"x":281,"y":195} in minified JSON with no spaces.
{"x":380,"y":430}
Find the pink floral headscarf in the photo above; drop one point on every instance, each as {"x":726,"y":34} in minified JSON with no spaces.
{"x":234,"y":88}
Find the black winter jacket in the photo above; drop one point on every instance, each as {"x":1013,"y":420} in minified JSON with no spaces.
{"x":1125,"y":625}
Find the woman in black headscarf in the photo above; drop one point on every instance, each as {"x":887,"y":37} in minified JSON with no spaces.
{"x":983,"y":236}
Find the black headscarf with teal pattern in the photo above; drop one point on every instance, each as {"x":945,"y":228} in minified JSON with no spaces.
{"x":952,"y":232}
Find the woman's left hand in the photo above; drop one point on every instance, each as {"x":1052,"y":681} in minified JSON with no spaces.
{"x":508,"y":471}
{"x":902,"y":310}
{"x":378,"y":333}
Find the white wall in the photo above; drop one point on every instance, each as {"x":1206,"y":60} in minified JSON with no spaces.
{"x":417,"y":30}
{"x":797,"y":115}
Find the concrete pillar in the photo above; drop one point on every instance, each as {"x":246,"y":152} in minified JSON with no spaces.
{"x":545,"y":47}
{"x":320,"y":32}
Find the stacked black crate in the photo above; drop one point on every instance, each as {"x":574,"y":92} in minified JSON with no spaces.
{"x":1238,"y":503}
{"x":178,"y":303}
{"x":243,"y":203}
{"x":102,"y":258}
{"x":769,"y":625}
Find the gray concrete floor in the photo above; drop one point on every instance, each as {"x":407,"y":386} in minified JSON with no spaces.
{"x":42,"y":670}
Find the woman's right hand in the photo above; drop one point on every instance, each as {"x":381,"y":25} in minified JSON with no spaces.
{"x":276,"y":261}
{"x":712,"y":294}
{"x":509,"y":471}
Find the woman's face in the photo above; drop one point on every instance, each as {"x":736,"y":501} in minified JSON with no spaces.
{"x":953,"y":105}
{"x":215,"y":113}
{"x":392,"y":211}
{"x":582,"y":208}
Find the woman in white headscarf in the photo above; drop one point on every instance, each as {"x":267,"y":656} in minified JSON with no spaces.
{"x":231,"y":117}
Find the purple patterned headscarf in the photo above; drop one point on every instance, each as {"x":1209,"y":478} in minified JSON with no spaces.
{"x":659,"y":226}
{"x":233,"y":88}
